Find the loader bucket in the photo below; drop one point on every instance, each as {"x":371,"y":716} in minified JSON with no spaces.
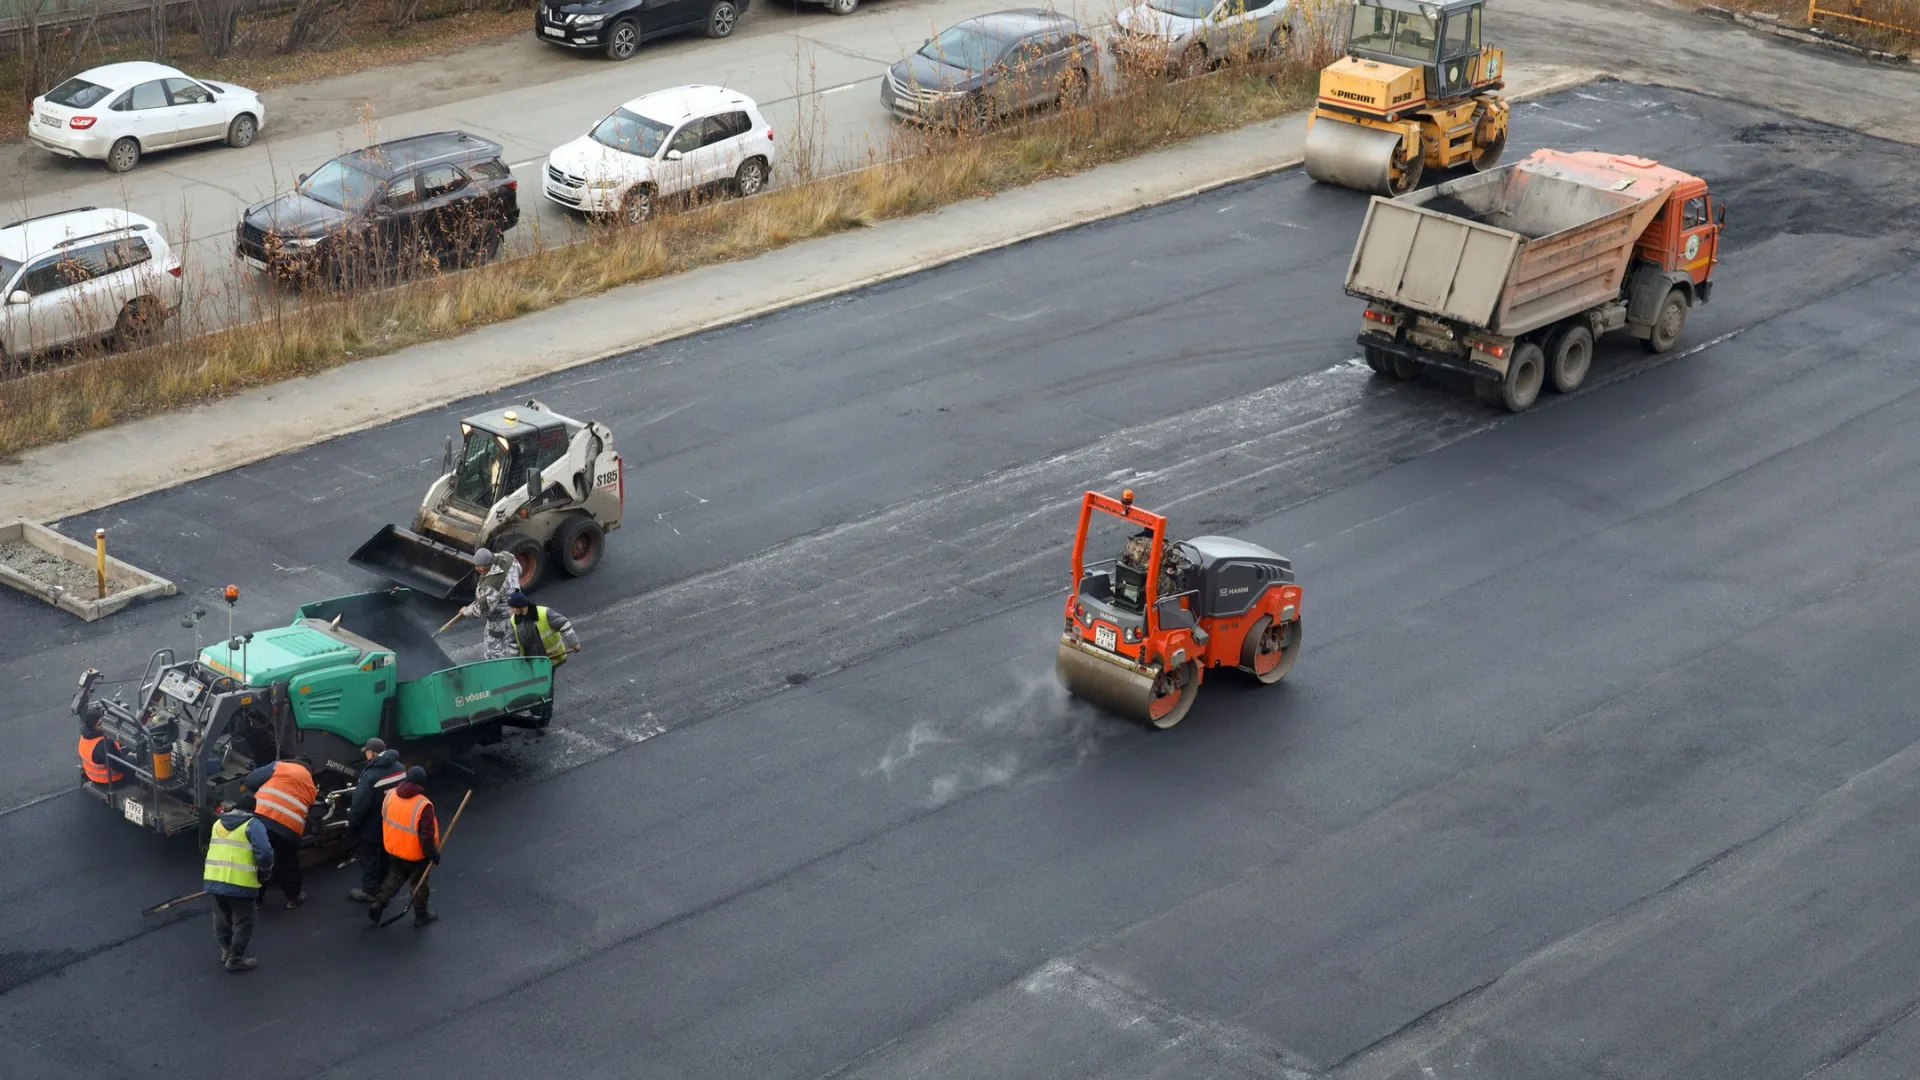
{"x":425,"y":566}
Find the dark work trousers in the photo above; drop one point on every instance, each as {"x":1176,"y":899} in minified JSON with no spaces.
{"x":372,"y":856}
{"x":233,"y":922}
{"x":286,"y":862}
{"x":405,"y":872}
{"x":546,"y":711}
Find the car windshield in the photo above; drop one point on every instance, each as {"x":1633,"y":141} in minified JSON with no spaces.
{"x":964,"y":48}
{"x":1185,"y":9}
{"x":77,"y":94}
{"x":341,"y":186}
{"x":1399,"y":33}
{"x":631,"y":133}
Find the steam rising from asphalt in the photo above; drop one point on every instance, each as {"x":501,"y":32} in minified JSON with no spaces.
{"x":1035,"y":727}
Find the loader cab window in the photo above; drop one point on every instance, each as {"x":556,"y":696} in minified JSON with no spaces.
{"x":488,"y":466}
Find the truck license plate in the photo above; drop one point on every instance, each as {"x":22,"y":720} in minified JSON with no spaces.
{"x":134,"y":812}
{"x":1104,"y":637}
{"x":554,"y":31}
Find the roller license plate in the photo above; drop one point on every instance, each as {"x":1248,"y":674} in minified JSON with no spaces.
{"x":134,"y":812}
{"x":1105,"y":637}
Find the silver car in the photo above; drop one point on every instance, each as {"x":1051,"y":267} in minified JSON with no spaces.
{"x":986,"y":67}
{"x":1189,"y":36}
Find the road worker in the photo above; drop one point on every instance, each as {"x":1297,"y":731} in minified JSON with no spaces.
{"x":94,"y":748}
{"x":239,"y":858}
{"x":283,"y":793}
{"x":499,"y":579}
{"x":542,"y":631}
{"x":411,"y":835}
{"x":380,"y":773}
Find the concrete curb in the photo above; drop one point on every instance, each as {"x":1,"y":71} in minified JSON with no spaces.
{"x":1802,"y":35}
{"x":29,"y":502}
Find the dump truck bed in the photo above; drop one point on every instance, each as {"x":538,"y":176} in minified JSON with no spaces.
{"x":1514,"y":248}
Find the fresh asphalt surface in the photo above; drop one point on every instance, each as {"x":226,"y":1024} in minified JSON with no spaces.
{"x":1597,"y":762}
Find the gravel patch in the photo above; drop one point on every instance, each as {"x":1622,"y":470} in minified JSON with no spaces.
{"x":50,"y":569}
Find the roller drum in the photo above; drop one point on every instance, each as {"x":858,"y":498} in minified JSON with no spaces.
{"x":1117,"y":689}
{"x":1351,"y":156}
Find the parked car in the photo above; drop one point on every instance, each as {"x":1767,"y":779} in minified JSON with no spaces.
{"x":441,"y":199}
{"x":84,"y":275}
{"x":119,"y":112}
{"x":983,"y":68}
{"x":672,"y":142}
{"x":617,"y":27}
{"x":1188,"y":36}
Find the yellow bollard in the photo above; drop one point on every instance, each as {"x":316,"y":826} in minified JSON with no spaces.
{"x":100,"y":559}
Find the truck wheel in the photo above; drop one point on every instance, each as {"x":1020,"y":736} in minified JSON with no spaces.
{"x":1525,"y":372}
{"x":1405,"y":370}
{"x":1668,"y":324}
{"x":532,"y":559}
{"x":1569,"y":357}
{"x":1378,"y":360}
{"x":578,"y":545}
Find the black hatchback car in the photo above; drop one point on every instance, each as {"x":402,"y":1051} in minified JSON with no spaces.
{"x":617,"y":27}
{"x":444,"y":199}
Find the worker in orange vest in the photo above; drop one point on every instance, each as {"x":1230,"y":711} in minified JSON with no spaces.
{"x":411,"y":835}
{"x":94,"y":748}
{"x":283,"y":794}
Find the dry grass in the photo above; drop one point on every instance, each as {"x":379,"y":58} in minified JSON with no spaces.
{"x":1892,"y":13}
{"x":256,"y":62}
{"x":301,"y":339}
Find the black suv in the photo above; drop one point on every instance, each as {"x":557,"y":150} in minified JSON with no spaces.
{"x":437,"y":200}
{"x":617,"y":27}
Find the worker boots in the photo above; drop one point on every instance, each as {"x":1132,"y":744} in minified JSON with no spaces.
{"x":240,"y":963}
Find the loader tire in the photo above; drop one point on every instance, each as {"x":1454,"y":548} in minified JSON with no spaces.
{"x":1525,"y":374}
{"x":578,"y":545}
{"x":532,"y":558}
{"x":1569,"y":357}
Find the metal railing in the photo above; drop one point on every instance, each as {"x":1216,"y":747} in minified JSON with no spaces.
{"x":1900,"y":16}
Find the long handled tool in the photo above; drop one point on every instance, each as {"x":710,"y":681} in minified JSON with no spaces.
{"x":457,"y":616}
{"x":444,"y":837}
{"x":165,"y":904}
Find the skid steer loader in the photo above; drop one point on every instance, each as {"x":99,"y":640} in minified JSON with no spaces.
{"x":526,"y":481}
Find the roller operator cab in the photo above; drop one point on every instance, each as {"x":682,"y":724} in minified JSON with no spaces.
{"x":1418,"y":89}
{"x":345,"y":671}
{"x":1143,"y":629}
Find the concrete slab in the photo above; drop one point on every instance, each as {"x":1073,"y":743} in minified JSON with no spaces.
{"x":57,"y":574}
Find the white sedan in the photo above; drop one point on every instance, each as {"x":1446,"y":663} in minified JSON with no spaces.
{"x":118,"y":112}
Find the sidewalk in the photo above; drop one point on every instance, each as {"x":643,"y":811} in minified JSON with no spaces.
{"x":109,"y":466}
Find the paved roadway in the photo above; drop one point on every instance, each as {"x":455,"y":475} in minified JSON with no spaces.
{"x":815,"y":75}
{"x":1597,"y":763}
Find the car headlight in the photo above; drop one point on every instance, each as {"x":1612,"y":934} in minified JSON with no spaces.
{"x":589,"y":20}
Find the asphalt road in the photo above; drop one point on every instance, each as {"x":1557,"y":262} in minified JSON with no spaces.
{"x":1597,"y":762}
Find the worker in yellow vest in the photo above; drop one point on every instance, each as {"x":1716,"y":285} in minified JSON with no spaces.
{"x":542,"y":631}
{"x":238,"y":859}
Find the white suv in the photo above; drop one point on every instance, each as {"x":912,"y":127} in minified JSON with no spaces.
{"x":84,"y":275}
{"x":665,"y":143}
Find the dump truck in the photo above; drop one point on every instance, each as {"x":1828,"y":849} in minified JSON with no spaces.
{"x":527,"y":481}
{"x":1417,"y":90}
{"x":1510,"y":275}
{"x":1144,"y":629}
{"x":344,"y":671}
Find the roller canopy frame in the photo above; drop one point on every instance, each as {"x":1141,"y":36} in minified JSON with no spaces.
{"x":1123,"y":509}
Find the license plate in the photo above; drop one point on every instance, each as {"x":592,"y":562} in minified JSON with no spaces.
{"x":134,"y":812}
{"x":253,"y":262}
{"x":553,"y":31}
{"x":50,"y":121}
{"x":1105,"y":637}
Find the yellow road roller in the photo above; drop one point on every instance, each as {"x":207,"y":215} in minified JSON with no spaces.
{"x":1417,"y":89}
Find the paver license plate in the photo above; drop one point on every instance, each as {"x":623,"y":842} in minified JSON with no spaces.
{"x":134,"y":812}
{"x":553,"y":31}
{"x":1104,"y":636}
